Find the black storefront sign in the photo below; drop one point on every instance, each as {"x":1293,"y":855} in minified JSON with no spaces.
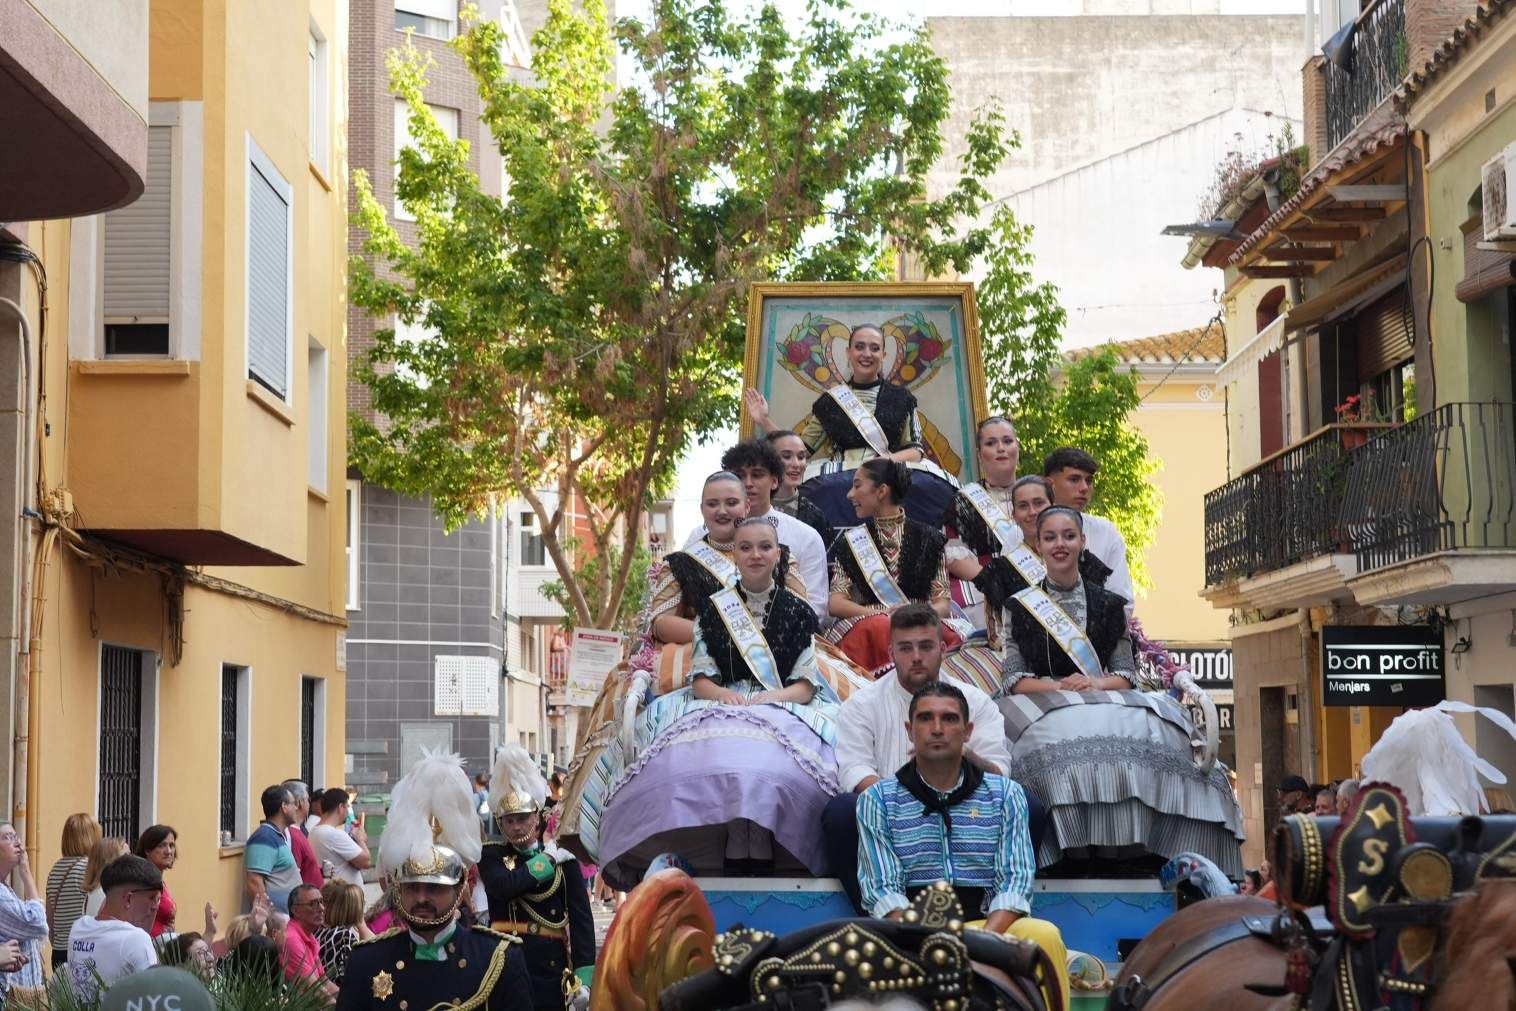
{"x":1382,"y":665}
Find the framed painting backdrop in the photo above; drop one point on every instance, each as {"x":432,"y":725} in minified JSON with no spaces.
{"x":797,"y":348}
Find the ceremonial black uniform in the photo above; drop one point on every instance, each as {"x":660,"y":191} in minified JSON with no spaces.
{"x":482,"y":970}
{"x":544,"y":901}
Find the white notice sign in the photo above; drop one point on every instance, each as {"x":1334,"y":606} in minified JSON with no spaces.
{"x":593,"y":652}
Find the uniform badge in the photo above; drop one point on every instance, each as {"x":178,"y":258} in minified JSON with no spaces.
{"x":541,"y":866}
{"x":510,"y":862}
{"x":384,"y":985}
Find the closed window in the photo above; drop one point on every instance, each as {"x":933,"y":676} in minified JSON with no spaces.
{"x":446,"y":118}
{"x":532,"y":550}
{"x":320,"y":118}
{"x":354,"y":514}
{"x":268,"y":274}
{"x":121,"y":704}
{"x":137,"y":276}
{"x":435,"y":19}
{"x":312,"y":730}
{"x":316,"y":416}
{"x":236,"y":734}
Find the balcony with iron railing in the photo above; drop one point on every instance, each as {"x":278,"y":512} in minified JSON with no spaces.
{"x":1371,"y":64}
{"x":1283,"y":510}
{"x":1443,"y":484}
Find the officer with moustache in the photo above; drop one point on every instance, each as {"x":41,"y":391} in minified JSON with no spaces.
{"x":536,"y":893}
{"x":431,"y":959}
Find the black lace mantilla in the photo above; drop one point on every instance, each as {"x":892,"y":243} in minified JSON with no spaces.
{"x":921,"y":550}
{"x":790,"y":626}
{"x":999,"y":580}
{"x":696,"y":582}
{"x":892,"y":412}
{"x":1105,"y":625}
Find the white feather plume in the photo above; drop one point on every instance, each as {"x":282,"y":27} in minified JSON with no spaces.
{"x":436,"y":787}
{"x":1423,"y":754}
{"x":515,"y":772}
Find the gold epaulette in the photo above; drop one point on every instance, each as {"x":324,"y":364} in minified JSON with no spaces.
{"x":379,"y":937}
{"x":497,"y":934}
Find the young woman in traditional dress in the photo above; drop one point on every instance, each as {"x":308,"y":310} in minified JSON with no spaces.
{"x":1112,"y":766}
{"x":887,"y":561}
{"x":794,"y":456}
{"x":661,"y":660}
{"x":864,"y":418}
{"x":734,"y":769}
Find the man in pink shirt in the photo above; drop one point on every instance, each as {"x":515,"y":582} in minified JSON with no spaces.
{"x":300,"y":843}
{"x":302,"y":952}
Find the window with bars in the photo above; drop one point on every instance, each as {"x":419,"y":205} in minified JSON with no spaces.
{"x":308,"y":731}
{"x":230,"y":720}
{"x":120,"y":742}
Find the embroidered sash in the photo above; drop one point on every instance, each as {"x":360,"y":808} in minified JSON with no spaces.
{"x":748,"y":638}
{"x":1062,"y":629}
{"x":1009,"y":534}
{"x":714,"y":561}
{"x":871,"y":564}
{"x":862,"y":418}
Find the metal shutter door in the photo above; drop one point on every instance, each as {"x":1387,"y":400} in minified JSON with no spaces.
{"x":137,"y":237}
{"x":1384,"y":335}
{"x":267,"y":284}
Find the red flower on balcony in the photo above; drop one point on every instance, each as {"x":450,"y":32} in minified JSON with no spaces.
{"x":1348,"y":410}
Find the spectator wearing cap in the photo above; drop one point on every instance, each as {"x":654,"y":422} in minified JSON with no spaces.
{"x":348,"y":854}
{"x":115,"y":942}
{"x":160,"y":987}
{"x":300,"y":843}
{"x":23,"y":917}
{"x":1294,"y":795}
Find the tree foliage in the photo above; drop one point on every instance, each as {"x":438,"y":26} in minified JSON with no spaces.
{"x":586,"y":328}
{"x":1064,"y":401}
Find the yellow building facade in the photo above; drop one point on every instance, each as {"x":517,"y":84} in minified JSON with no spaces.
{"x":186,"y":574}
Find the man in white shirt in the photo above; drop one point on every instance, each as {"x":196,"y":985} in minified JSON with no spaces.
{"x":758,"y":465}
{"x":348,"y":854}
{"x":114,"y":943}
{"x":1071,"y":472}
{"x":873,"y":741}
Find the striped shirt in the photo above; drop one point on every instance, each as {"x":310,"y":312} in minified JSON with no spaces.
{"x":66,"y":896}
{"x":901,"y":846}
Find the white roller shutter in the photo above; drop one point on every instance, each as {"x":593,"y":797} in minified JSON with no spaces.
{"x":268,"y":283}
{"x":442,"y":10}
{"x":137,"y":242}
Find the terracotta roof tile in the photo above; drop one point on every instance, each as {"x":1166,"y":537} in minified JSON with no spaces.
{"x":1193,"y":345}
{"x":1452,"y":49}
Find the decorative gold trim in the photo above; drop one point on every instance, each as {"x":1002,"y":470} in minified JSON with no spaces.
{"x":379,"y":937}
{"x":1502,"y":857}
{"x":973,"y":355}
{"x":486,"y":985}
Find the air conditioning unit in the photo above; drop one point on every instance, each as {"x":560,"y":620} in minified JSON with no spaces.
{"x":1496,"y":178}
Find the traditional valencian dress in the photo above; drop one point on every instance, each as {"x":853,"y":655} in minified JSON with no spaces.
{"x":705,"y":768}
{"x":1113,"y":768}
{"x":910,"y":570}
{"x":839,"y":442}
{"x":676,"y":585}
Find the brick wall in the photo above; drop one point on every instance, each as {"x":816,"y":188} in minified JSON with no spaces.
{"x":1313,"y":105}
{"x":1429,"y":22}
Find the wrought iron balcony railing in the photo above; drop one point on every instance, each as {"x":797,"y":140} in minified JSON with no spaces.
{"x":1282,"y":510}
{"x":1444,"y":481}
{"x":1375,"y":61}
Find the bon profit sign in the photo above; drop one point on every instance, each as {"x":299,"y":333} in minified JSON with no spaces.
{"x":1382,"y":665}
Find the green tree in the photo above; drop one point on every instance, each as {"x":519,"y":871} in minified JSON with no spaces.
{"x":1057,"y":400}
{"x":587,"y":327}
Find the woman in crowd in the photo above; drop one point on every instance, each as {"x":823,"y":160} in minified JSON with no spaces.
{"x":344,"y":927}
{"x":735,"y":768}
{"x":100,"y":854}
{"x":661,"y":660}
{"x":160,"y":845}
{"x":888,"y":561}
{"x":794,"y":456}
{"x":23,"y":917}
{"x":1113,"y":767}
{"x":66,"y":894}
{"x":982,"y":511}
{"x":190,"y":952}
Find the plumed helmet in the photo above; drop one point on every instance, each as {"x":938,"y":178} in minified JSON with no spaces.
{"x":432,"y":834}
{"x":516,"y":784}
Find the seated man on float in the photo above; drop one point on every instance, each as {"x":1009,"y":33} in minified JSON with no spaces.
{"x":942,"y":818}
{"x":758,"y":465}
{"x":794,"y":456}
{"x":873,"y":741}
{"x":1071,"y":472}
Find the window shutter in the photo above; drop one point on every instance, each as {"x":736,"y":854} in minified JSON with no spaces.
{"x":137,"y":241}
{"x":1384,"y":335}
{"x":267,"y":284}
{"x":442,"y":10}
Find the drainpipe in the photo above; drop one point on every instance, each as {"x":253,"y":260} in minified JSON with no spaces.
{"x":1309,"y":745}
{"x":26,"y":717}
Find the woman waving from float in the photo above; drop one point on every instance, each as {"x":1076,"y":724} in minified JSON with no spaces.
{"x":866,"y":417}
{"x":661,"y":659}
{"x":887,"y":561}
{"x":734,"y":769}
{"x":1113,"y":766}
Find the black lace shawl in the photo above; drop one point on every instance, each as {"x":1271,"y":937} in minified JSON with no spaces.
{"x":696,"y":582}
{"x":892,"y":411}
{"x":811,"y":515}
{"x":1105,"y":626}
{"x":999,"y":580}
{"x":972,"y":529}
{"x":921,"y":549}
{"x":788,"y":630}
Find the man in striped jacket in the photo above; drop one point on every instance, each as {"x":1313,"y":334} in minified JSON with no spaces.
{"x":941,"y":818}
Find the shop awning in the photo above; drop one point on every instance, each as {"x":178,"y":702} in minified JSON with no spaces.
{"x":1250,"y":354}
